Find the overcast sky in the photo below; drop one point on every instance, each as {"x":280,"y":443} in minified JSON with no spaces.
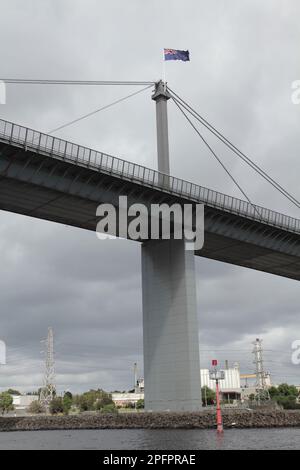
{"x":244,"y":58}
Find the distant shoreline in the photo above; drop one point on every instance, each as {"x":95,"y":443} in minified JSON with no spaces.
{"x":202,"y":420}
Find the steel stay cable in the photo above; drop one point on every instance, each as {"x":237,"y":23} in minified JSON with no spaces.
{"x":232,"y":147}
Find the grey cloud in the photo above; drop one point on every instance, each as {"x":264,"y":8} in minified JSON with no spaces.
{"x":244,"y":56}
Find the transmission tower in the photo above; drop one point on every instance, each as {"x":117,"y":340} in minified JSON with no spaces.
{"x":48,"y":390}
{"x":261,"y":384}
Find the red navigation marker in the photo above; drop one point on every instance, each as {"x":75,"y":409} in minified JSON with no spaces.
{"x":217,"y":375}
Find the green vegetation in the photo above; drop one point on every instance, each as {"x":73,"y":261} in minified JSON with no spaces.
{"x":11,"y":391}
{"x":286,"y":396}
{"x":261,"y":398}
{"x":208,"y":396}
{"x":67,"y":402}
{"x":93,"y":400}
{"x":6,"y":402}
{"x":36,"y":408}
{"x":140,"y":405}
{"x":56,"y":406}
{"x":129,"y":405}
{"x":111,"y":408}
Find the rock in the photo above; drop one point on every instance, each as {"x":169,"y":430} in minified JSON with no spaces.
{"x":202,"y":420}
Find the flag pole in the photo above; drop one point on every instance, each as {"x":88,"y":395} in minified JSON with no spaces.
{"x":164,"y":70}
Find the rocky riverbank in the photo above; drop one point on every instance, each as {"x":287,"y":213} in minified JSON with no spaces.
{"x":201,"y":420}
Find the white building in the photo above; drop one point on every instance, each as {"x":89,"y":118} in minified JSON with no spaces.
{"x":232,"y":381}
{"x":22,"y":402}
{"x":229,"y":387}
{"x":127,"y":399}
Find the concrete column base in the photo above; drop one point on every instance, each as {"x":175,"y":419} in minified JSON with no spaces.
{"x":170,"y":327}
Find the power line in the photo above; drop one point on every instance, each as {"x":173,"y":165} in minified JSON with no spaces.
{"x":234,"y":149}
{"x":21,"y":81}
{"x":98,"y":110}
{"x":216,"y":157}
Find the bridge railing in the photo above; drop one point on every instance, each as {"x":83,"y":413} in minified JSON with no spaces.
{"x":52,"y":146}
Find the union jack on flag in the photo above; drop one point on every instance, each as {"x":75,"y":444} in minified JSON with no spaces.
{"x":175,"y":54}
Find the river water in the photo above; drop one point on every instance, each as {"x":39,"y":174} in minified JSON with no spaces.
{"x":152,"y":439}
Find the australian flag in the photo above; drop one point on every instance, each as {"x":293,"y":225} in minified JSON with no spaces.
{"x":174,"y":54}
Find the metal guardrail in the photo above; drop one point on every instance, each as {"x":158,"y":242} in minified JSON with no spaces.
{"x":48,"y":145}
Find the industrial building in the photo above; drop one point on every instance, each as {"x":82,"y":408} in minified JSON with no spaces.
{"x":22,"y":402}
{"x":230,"y":387}
{"x":127,"y":400}
{"x":130,"y":398}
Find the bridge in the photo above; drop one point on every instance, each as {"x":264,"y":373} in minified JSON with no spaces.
{"x":49,"y":178}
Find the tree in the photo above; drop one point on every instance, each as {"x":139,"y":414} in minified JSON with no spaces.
{"x":103,"y":401}
{"x":6,"y":402}
{"x":56,"y":406}
{"x":208,"y":396}
{"x":288,"y":403}
{"x":36,"y":408}
{"x":286,"y":390}
{"x":140,"y":404}
{"x":86,"y":401}
{"x":93,"y":400}
{"x":285,"y":395}
{"x":67,"y":402}
{"x":273,"y":391}
{"x":111,"y":408}
{"x":130,"y":405}
{"x":11,"y":391}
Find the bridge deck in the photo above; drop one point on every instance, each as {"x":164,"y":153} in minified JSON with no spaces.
{"x":49,"y":178}
{"x":45,"y":144}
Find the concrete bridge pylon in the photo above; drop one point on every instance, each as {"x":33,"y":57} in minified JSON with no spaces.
{"x":170,"y":323}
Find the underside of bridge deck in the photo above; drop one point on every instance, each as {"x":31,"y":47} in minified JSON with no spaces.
{"x":62,"y":192}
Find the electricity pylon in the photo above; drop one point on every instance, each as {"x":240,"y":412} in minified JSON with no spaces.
{"x":48,"y":390}
{"x":261,"y":384}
